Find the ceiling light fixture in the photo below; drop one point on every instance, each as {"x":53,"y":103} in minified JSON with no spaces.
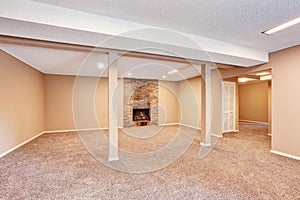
{"x":164,"y":76}
{"x":129,"y":74}
{"x":266,"y":77}
{"x":173,"y":71}
{"x":100,"y":65}
{"x":282,"y":26}
{"x":245,"y":79}
{"x":262,"y":73}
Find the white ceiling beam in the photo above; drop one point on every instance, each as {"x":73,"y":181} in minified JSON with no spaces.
{"x":30,"y":19}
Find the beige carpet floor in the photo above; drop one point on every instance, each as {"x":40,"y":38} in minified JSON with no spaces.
{"x":240,"y":166}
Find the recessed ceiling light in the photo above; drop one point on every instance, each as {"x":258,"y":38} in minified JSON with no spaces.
{"x":282,"y":26}
{"x":262,"y":73}
{"x":100,"y":65}
{"x":129,"y":74}
{"x":266,"y":77}
{"x":164,"y":76}
{"x":172,"y":71}
{"x":245,"y":79}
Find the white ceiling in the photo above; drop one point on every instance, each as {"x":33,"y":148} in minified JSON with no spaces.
{"x":224,"y":31}
{"x":70,"y":62}
{"x":236,"y":21}
{"x":31,"y":19}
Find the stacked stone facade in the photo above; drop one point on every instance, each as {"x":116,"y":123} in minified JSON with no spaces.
{"x":140,"y":94}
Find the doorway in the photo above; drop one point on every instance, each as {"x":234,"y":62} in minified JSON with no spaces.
{"x":229,"y":106}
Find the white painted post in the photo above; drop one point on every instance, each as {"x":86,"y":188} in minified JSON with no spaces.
{"x":206,"y":105}
{"x":113,"y":105}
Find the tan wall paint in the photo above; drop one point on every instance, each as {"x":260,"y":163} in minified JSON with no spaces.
{"x":285,"y":100}
{"x":216,"y":95}
{"x":21,"y":102}
{"x":168,"y":110}
{"x":87,"y":101}
{"x":58,"y":102}
{"x":189,"y":93}
{"x":87,"y":97}
{"x":253,"y":102}
{"x":237,"y":107}
{"x":121,"y":101}
{"x":270,"y":107}
{"x":90,"y":102}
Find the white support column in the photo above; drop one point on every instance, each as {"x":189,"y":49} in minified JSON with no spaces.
{"x":206,"y":105}
{"x":113,"y":105}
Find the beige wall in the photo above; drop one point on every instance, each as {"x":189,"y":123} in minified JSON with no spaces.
{"x":253,"y":102}
{"x":169,"y":108}
{"x":58,"y":102}
{"x":189,"y":93}
{"x":270,"y":107}
{"x":285,"y":100}
{"x":21,"y":102}
{"x":83,"y":104}
{"x":90,"y":102}
{"x":86,"y":96}
{"x":216,"y":95}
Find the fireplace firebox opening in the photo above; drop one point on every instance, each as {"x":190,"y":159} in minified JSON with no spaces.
{"x":141,"y":114}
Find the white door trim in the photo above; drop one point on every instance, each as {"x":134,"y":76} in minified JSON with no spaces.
{"x":223,"y":106}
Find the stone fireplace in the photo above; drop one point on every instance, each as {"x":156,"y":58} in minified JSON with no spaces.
{"x":140,"y":102}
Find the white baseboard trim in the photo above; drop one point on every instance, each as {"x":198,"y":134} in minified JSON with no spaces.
{"x":205,"y":145}
{"x":254,"y":122}
{"x":55,"y":131}
{"x":231,"y":131}
{"x":113,"y":158}
{"x":285,"y":154}
{"x":194,"y":127}
{"x":74,"y":130}
{"x":169,"y":124}
{"x":19,"y":145}
{"x":216,"y":135}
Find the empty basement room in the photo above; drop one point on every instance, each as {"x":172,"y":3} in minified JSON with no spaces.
{"x":149,"y":99}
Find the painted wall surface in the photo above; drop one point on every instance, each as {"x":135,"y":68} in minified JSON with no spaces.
{"x":76,"y":102}
{"x":169,"y":107}
{"x":270,"y":107}
{"x":189,"y":93}
{"x":253,"y":102}
{"x":216,"y":100}
{"x":90,"y":102}
{"x":82,"y":102}
{"x":285,"y":100}
{"x":58,"y":102}
{"x":21,"y":102}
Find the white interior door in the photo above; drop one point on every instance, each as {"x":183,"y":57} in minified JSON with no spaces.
{"x":229,"y":106}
